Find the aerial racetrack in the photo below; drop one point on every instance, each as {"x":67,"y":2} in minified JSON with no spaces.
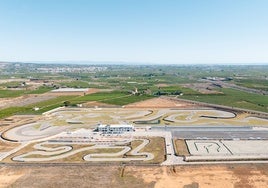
{"x":64,"y":119}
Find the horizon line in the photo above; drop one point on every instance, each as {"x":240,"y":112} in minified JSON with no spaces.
{"x":84,"y":62}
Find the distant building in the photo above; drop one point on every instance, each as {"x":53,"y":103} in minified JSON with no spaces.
{"x":36,"y":108}
{"x":115,"y":129}
{"x":71,"y":91}
{"x":61,"y":90}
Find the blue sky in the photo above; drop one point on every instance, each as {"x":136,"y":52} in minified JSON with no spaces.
{"x":154,"y":31}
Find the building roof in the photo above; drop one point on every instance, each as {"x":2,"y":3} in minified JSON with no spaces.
{"x":71,"y":90}
{"x":116,"y":125}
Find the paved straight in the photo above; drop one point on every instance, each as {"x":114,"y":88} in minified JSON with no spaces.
{"x":213,"y":132}
{"x":259,"y":135}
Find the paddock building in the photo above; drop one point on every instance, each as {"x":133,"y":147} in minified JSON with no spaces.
{"x":115,"y":129}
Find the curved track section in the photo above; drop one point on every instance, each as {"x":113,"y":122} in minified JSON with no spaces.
{"x":49,"y":154}
{"x":134,"y":152}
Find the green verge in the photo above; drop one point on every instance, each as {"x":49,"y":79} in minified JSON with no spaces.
{"x":11,"y":93}
{"x":44,"y":106}
{"x":12,"y":111}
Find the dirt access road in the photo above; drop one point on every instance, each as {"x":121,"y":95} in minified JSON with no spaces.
{"x":195,"y":176}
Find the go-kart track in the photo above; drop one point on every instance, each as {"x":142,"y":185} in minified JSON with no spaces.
{"x":54,"y":153}
{"x":57,"y":121}
{"x":211,"y":135}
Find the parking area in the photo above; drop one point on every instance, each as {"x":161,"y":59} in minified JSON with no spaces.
{"x":224,"y":150}
{"x":220,"y":132}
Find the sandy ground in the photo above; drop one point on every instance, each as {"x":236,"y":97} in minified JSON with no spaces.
{"x":7,"y":146}
{"x":223,"y":176}
{"x":211,"y":176}
{"x":158,"y":103}
{"x":35,"y":98}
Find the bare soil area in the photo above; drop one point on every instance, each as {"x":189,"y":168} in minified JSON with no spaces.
{"x":211,"y":176}
{"x":7,"y":146}
{"x":203,"y":176}
{"x":24,"y":100}
{"x":17,"y":120}
{"x":68,"y":176}
{"x":159,"y":103}
{"x":181,"y":148}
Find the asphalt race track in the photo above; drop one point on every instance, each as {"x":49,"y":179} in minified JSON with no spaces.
{"x":211,"y":132}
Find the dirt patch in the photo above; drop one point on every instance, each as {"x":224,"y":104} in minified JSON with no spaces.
{"x":17,"y":120}
{"x":159,"y":103}
{"x":24,"y":100}
{"x":69,"y":176}
{"x":9,"y":176}
{"x":220,"y":176}
{"x":181,"y":148}
{"x":7,"y":146}
{"x":253,"y":176}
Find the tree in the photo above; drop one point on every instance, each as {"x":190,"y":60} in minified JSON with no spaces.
{"x":66,"y":103}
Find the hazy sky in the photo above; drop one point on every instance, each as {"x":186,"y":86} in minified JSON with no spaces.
{"x":161,"y":31}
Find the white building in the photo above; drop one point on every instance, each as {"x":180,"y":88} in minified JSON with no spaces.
{"x":115,"y":129}
{"x":62,"y":90}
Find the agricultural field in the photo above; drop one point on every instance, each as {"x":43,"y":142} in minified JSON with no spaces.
{"x":233,"y":98}
{"x":261,"y":84}
{"x":17,"y":93}
{"x":225,"y":85}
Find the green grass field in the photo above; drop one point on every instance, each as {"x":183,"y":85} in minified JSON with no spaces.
{"x":127,"y":99}
{"x":16,"y":93}
{"x":11,"y":93}
{"x":44,"y":106}
{"x":75,"y":84}
{"x":253,"y":83}
{"x":115,"y":97}
{"x":99,"y":97}
{"x":12,"y":110}
{"x":234,"y":98}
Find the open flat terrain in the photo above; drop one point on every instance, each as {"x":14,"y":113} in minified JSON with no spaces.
{"x":220,"y":176}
